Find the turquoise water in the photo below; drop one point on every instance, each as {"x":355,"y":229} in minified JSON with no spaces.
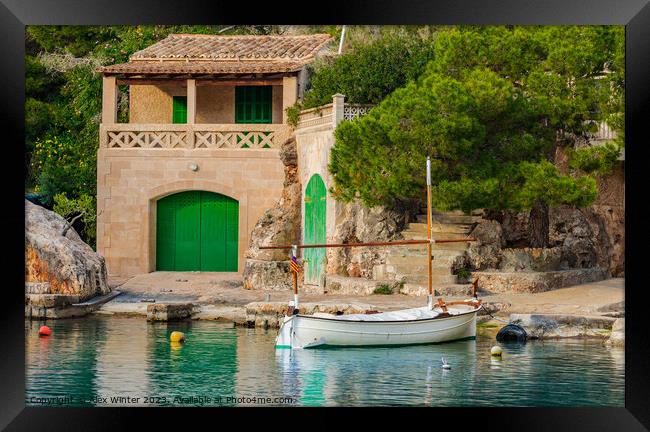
{"x":129,"y":362}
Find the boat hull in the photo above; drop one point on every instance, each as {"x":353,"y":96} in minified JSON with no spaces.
{"x":303,"y":331}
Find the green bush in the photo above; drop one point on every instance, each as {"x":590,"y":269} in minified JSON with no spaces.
{"x":370,"y":70}
{"x":463,"y":273}
{"x":82,"y":208}
{"x":599,"y":159}
{"x":383,"y":289}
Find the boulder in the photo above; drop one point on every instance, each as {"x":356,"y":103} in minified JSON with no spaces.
{"x":268,"y":269}
{"x":356,"y":223}
{"x":617,"y":337}
{"x":534,"y":282}
{"x":608,"y":224}
{"x":67,"y":264}
{"x":268,"y":275}
{"x":515,"y":228}
{"x":532,"y":259}
{"x":483,"y":257}
{"x":486,"y":252}
{"x":541,"y":326}
{"x":488,"y":232}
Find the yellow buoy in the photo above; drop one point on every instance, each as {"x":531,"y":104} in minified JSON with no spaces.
{"x":176,"y":346}
{"x":177,"y":336}
{"x":496,"y":351}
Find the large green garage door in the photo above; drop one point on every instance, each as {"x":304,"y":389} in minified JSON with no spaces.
{"x":197,"y":231}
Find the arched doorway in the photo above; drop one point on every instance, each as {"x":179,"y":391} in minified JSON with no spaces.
{"x":197,"y":231}
{"x":315,"y":204}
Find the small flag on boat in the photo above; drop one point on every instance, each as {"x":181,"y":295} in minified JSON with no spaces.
{"x":295,"y":267}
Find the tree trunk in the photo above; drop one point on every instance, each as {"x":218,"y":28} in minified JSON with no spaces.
{"x":538,"y":225}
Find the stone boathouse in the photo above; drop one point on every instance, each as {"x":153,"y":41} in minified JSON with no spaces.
{"x":183,"y":183}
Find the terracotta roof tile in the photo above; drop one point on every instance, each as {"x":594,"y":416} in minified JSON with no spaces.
{"x":224,"y":54}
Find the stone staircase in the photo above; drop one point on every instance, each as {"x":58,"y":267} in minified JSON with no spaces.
{"x":408,"y":263}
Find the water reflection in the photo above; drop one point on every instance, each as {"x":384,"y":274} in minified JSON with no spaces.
{"x":127,"y":361}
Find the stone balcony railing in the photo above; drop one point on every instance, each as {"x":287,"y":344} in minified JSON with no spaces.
{"x":193,"y":136}
{"x":331,"y":114}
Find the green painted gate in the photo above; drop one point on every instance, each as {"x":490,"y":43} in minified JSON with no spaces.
{"x":197,"y":231}
{"x":315,"y":203}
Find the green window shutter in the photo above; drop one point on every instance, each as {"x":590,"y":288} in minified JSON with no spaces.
{"x":179,"y":114}
{"x":253,"y":104}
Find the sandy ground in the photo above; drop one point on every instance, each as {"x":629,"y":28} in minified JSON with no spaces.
{"x":225,"y":290}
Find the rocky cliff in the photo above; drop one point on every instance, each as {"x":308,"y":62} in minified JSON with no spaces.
{"x":68,"y":264}
{"x":269,"y":269}
{"x":356,"y":223}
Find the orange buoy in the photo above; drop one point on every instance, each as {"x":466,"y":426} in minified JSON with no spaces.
{"x":44,"y":331}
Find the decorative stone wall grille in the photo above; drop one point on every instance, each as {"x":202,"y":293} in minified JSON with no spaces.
{"x":353,"y":111}
{"x":234,"y":140}
{"x":193,"y":138}
{"x":145,"y":139}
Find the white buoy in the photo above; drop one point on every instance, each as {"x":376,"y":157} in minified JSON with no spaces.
{"x":445,"y":365}
{"x":496,"y":351}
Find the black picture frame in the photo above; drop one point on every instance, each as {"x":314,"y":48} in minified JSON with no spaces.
{"x":15,"y":14}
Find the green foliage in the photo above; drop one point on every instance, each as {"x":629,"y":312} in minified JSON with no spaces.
{"x":63,"y":100}
{"x":487,"y":110}
{"x":293,"y":114}
{"x":370,"y":70}
{"x":599,"y":159}
{"x":84,"y":207}
{"x":383,"y":289}
{"x":64,"y":166}
{"x":463,"y":273}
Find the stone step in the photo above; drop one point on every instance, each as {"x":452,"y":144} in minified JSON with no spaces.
{"x":422,"y":250}
{"x":449,"y":218}
{"x":416,"y":270}
{"x":459,"y":246}
{"x":434,"y":235}
{"x":440,"y":228}
{"x":422,"y":278}
{"x":420,"y":260}
{"x":336,"y":284}
{"x":448,"y":290}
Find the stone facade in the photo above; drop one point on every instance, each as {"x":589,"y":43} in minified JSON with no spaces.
{"x":313,"y":144}
{"x":152,"y":104}
{"x":130,"y":181}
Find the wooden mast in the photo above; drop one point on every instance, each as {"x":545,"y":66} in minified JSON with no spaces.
{"x":429,"y":248}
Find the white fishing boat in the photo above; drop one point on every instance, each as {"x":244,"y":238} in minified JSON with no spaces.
{"x":424,"y":325}
{"x":433,"y":323}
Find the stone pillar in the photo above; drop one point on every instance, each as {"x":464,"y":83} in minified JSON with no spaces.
{"x":338,"y":102}
{"x":109,"y":100}
{"x":191,"y":101}
{"x":191,"y":111}
{"x":289,"y":94}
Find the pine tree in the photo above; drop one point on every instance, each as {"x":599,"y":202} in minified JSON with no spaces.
{"x":490,"y":110}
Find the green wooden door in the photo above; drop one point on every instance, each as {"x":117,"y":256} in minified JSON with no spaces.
{"x":188,"y":234}
{"x":315,"y":204}
{"x":197,"y":231}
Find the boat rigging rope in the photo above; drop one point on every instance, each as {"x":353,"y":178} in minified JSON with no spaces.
{"x":499,"y":319}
